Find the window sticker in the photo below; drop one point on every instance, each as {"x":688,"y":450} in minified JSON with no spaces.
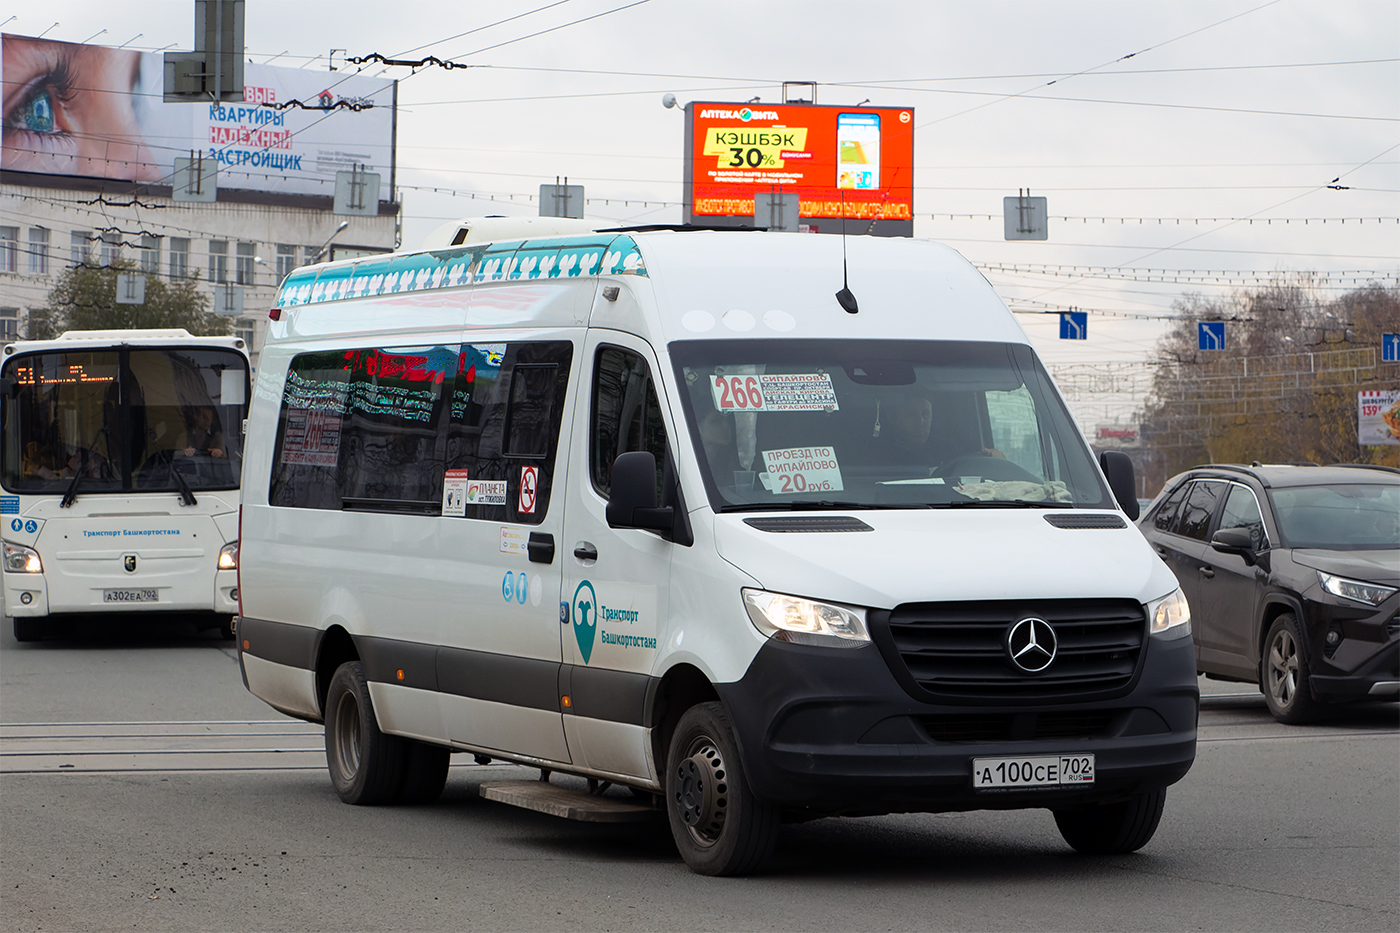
{"x":312,"y":437}
{"x":802,"y":470}
{"x":529,"y":489}
{"x":454,"y":493}
{"x":774,"y":392}
{"x":486,"y":492}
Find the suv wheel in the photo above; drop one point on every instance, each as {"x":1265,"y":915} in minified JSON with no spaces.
{"x":1285,"y":669}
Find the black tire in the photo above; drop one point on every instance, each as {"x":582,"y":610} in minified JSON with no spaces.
{"x":366,"y":766}
{"x":27,"y":629}
{"x":1284,"y":673}
{"x":424,"y":773}
{"x":718,"y":824}
{"x":1113,"y":828}
{"x":226,"y":629}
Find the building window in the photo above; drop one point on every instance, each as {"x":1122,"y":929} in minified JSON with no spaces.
{"x":80,"y":246}
{"x":179,"y":257}
{"x":39,"y":250}
{"x":9,"y":323}
{"x":286,"y":260}
{"x":9,"y":249}
{"x":243,"y":268}
{"x":150,"y":254}
{"x":111,"y":248}
{"x":218,"y":261}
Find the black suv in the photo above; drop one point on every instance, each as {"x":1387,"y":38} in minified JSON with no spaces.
{"x":1293,"y":577}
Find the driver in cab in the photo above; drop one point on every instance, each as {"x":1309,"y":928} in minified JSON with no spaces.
{"x":204,"y":435}
{"x":903,"y":426}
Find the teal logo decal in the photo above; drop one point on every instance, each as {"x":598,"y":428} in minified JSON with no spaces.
{"x":585,"y":618}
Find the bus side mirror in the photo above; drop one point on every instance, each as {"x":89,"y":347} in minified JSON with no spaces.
{"x":632,"y":501}
{"x":1118,"y":469}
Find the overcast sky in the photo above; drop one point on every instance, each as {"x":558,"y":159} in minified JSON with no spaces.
{"x":1226,"y":109}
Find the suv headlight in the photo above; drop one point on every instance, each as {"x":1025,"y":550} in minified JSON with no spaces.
{"x":228,"y":556}
{"x":21,"y":559}
{"x":805,"y":621}
{"x":1369,"y":593}
{"x":1170,"y":616}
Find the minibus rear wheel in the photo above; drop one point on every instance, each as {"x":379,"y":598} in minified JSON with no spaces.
{"x":366,"y":765}
{"x":720,"y":827}
{"x":1113,"y":828}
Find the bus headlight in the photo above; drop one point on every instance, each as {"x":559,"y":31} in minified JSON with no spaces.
{"x":21,"y":559}
{"x":805,"y":621}
{"x":228,"y":556}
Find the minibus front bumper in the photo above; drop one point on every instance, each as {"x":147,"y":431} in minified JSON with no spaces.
{"x":832,"y":731}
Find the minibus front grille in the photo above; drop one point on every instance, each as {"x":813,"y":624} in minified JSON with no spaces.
{"x":958,"y":650}
{"x":994,"y":727}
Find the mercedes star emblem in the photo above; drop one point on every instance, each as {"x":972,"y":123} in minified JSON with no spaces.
{"x":1031,"y":644}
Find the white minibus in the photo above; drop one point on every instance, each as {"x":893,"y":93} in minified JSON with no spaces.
{"x":120,"y":461}
{"x":763,"y":526}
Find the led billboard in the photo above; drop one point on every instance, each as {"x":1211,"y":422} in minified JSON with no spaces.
{"x":852,"y":162}
{"x":98,"y":112}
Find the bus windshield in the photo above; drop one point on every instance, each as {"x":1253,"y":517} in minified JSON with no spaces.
{"x":810,"y":424}
{"x":127,"y":419}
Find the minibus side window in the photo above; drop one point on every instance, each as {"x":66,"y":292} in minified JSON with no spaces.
{"x":362,"y":428}
{"x":503,"y":431}
{"x":626,"y":416}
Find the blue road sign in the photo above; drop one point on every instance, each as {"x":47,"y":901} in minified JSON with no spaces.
{"x":1390,"y":348}
{"x":1210,"y":335}
{"x":1074,"y":325}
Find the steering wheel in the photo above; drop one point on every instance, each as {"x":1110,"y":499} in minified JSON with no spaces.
{"x":996,"y":469}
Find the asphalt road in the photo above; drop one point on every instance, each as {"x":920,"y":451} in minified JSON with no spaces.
{"x":141,"y":787}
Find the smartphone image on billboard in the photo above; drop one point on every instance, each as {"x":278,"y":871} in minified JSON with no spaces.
{"x":858,"y":151}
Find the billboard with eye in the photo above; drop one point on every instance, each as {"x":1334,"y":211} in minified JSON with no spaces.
{"x":855,"y":163}
{"x":98,"y":112}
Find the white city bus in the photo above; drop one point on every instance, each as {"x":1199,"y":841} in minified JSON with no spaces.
{"x":120,"y":460}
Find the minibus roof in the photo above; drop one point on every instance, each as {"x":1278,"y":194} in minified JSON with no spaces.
{"x":704,"y":284}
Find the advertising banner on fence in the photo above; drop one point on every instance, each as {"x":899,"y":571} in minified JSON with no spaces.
{"x":856,"y":162}
{"x":99,"y":112}
{"x":1378,"y":417}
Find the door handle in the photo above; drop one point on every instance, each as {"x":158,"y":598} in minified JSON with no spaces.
{"x":1206,"y":572}
{"x":586,"y":551}
{"x":540,"y":547}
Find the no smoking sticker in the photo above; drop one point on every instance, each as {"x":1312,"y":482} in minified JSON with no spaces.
{"x":529,"y":489}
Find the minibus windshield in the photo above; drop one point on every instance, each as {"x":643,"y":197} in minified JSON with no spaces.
{"x":818,"y":424}
{"x":124,"y":419}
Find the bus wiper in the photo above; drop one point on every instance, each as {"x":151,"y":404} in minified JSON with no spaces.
{"x":71,"y":495}
{"x":186,"y":495}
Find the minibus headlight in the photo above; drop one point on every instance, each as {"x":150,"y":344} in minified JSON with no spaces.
{"x":21,"y":559}
{"x":805,"y":621}
{"x":1170,"y":616}
{"x":228,"y":556}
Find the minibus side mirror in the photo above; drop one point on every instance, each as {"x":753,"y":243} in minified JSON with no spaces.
{"x":632,"y":502}
{"x":1118,"y":469}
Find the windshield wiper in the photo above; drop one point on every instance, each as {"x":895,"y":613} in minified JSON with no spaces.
{"x":71,"y":495}
{"x":1004,"y":504}
{"x":186,"y":495}
{"x":815,"y":505}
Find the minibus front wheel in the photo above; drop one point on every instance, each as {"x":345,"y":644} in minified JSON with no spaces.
{"x":720,"y":827}
{"x":366,"y":765}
